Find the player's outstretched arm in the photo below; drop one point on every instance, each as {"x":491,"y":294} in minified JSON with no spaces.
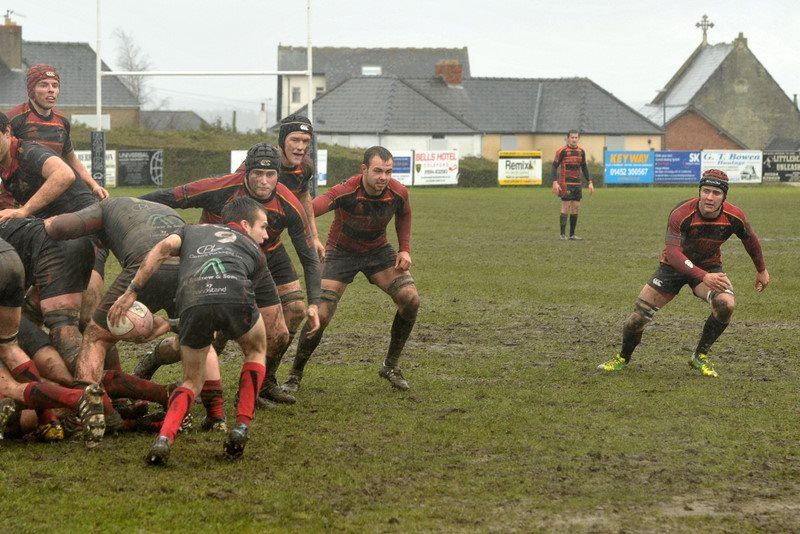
{"x":96,"y":189}
{"x":58,"y":177}
{"x":87,"y":221}
{"x":168,"y":247}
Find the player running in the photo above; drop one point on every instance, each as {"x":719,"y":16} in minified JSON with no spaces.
{"x":364,"y":205}
{"x":218,"y":264}
{"x":568,"y":164}
{"x":696,"y":230}
{"x":278,"y":293}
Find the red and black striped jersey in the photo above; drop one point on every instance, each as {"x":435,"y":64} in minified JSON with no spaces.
{"x":297,"y":178}
{"x":360,"y":220}
{"x":52,"y":131}
{"x":283,"y":209}
{"x":568,"y":164}
{"x":693,"y":242}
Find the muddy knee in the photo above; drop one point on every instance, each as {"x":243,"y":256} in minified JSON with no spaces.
{"x":643,"y":313}
{"x":724,"y":305}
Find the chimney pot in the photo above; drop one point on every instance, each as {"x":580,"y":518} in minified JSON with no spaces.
{"x":450,"y":70}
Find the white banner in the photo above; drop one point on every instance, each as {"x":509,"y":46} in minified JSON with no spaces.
{"x":237,"y":158}
{"x":85,"y":157}
{"x":403,"y":170}
{"x":518,"y":167}
{"x":741,"y":166}
{"x":436,"y":167}
{"x":322,"y":167}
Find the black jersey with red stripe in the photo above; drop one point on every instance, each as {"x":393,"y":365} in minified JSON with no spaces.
{"x":360,"y":220}
{"x":693,"y":242}
{"x":297,"y":178}
{"x":52,"y":131}
{"x":568,"y":164}
{"x":283,"y":209}
{"x":23,"y":178}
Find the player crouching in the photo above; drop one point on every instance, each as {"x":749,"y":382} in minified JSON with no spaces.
{"x":215,"y":293}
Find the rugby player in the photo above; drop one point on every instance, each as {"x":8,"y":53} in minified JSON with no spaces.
{"x":695,"y":231}
{"x":218,"y":265}
{"x":357,"y":242}
{"x":15,"y":364}
{"x":569,"y":162}
{"x":282,"y":306}
{"x":39,"y":120}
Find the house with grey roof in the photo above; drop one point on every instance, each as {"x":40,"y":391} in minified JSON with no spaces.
{"x":722,"y":97}
{"x":478,"y":116}
{"x":171,"y":120}
{"x":75,"y":63}
{"x":333,"y":65}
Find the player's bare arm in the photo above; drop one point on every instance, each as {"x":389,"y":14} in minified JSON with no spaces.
{"x":58,"y":177}
{"x":97,"y":190}
{"x":169,"y":247}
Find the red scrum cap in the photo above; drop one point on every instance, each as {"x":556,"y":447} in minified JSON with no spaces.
{"x":38,"y":73}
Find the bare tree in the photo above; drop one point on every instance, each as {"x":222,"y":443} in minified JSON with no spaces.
{"x":130,"y":57}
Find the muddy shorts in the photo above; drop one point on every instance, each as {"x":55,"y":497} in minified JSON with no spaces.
{"x":669,"y":281}
{"x":199,"y":323}
{"x":280,"y":266}
{"x":574,"y":193}
{"x":12,"y":280}
{"x":31,"y":338}
{"x":157,"y":294}
{"x":343,"y":266}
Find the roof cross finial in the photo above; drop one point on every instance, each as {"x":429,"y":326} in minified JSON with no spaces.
{"x":704,"y":25}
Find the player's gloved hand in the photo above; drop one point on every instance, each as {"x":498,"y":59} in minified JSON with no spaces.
{"x":717,"y":281}
{"x":12,"y":213}
{"x":312,"y":320}
{"x":762,"y":280}
{"x":403,"y":261}
{"x":122,"y":305}
{"x":320,"y":248}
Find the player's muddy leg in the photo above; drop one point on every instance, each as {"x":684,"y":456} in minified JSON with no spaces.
{"x":562,"y":220}
{"x":722,"y":306}
{"x":60,"y":315}
{"x":91,"y":359}
{"x":574,"y":206}
{"x":51,"y":366}
{"x":645,"y":308}
{"x":332,"y":291}
{"x":167,"y":351}
{"x":212,"y":397}
{"x":294,"y":310}
{"x":91,"y":298}
{"x":277,"y":341}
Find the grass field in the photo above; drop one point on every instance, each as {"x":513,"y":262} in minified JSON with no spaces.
{"x":508,"y":426}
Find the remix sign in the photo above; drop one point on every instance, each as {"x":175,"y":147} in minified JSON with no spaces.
{"x":517,"y":167}
{"x":436,"y":167}
{"x":781,"y":167}
{"x":629,"y":167}
{"x":742,"y":166}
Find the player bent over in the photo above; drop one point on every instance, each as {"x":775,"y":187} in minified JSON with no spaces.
{"x":34,"y":394}
{"x":357,"y":242}
{"x":696,"y":230}
{"x":215,"y":293}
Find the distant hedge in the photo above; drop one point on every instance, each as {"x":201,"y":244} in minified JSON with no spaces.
{"x":188,"y":156}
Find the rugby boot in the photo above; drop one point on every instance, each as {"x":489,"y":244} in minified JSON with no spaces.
{"x":394,"y":376}
{"x":701,"y":363}
{"x":49,"y":432}
{"x":114,"y":423}
{"x":214,"y":424}
{"x":292,"y":384}
{"x":617,"y":363}
{"x":150,"y":423}
{"x":187,"y":423}
{"x":159,"y":451}
{"x":237,"y":439}
{"x":563,"y":237}
{"x":90,"y":413}
{"x":8,"y":407}
{"x":574,"y":237}
{"x":130,"y":409}
{"x":147,"y":365}
{"x":272,"y":391}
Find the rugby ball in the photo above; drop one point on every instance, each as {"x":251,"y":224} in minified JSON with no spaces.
{"x":136,"y":323}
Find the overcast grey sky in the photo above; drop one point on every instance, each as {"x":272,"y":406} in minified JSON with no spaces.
{"x":629,"y":47}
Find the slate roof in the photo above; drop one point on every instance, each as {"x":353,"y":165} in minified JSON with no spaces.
{"x":76,"y":65}
{"x":170,"y":120}
{"x":372,"y":104}
{"x":783,"y":144}
{"x":685,"y":84}
{"x":338,"y":64}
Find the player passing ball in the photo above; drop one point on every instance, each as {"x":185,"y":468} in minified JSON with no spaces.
{"x":696,"y":230}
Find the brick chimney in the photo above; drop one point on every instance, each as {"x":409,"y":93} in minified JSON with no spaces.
{"x":450,"y":71}
{"x":11,"y":45}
